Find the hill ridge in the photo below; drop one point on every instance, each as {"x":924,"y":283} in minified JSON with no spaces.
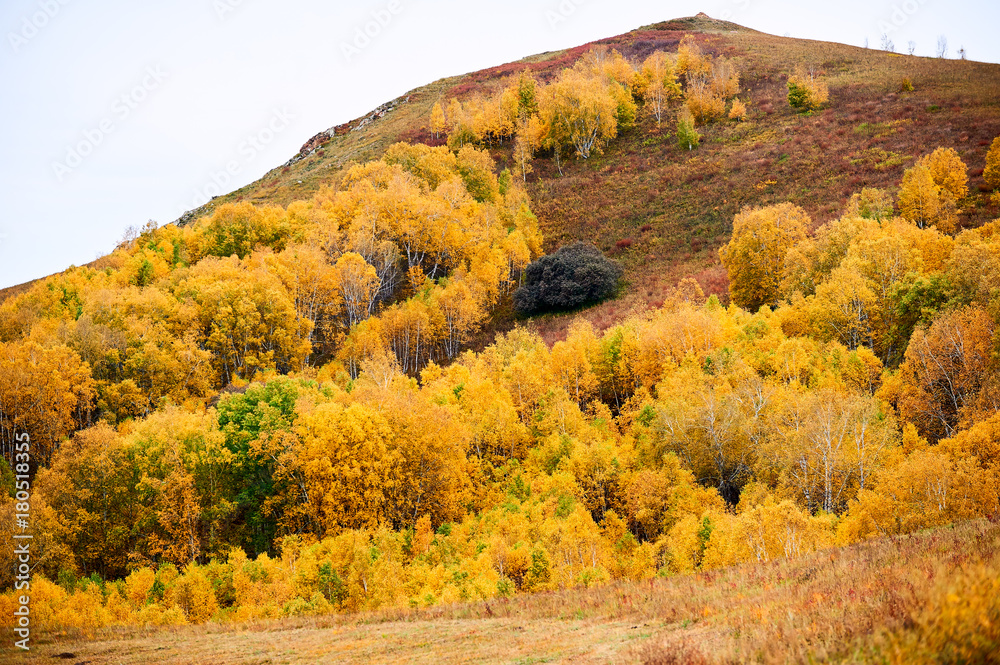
{"x":814,"y":160}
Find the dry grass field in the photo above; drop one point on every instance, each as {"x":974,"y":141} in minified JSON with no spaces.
{"x":929,"y":597}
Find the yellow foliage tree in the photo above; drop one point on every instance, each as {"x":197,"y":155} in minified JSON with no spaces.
{"x":580,"y":112}
{"x":438,"y":122}
{"x":949,"y":172}
{"x":357,"y":283}
{"x":920,"y":197}
{"x":659,"y":83}
{"x":932,"y":189}
{"x":690,"y":61}
{"x":245,"y":318}
{"x":991,"y":174}
{"x":755,"y":255}
{"x":738,"y":111}
{"x":944,"y":369}
{"x":45,"y":395}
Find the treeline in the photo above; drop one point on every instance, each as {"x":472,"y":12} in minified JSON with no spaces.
{"x":921,"y":302}
{"x":272,"y":412}
{"x":586,"y":105}
{"x":693,"y":437}
{"x":412,"y":252}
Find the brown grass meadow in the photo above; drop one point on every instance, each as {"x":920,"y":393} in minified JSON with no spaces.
{"x":930,"y":597}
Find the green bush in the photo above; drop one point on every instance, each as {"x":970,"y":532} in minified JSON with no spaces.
{"x":806,"y":93}
{"x":687,"y":136}
{"x":575,"y":275}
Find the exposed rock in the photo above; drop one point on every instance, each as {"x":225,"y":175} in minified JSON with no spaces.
{"x":314,"y":143}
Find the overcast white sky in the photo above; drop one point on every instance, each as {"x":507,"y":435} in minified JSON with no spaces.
{"x":116,"y":112}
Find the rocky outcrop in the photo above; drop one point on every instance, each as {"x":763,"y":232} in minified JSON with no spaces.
{"x":314,"y":143}
{"x":318,"y":141}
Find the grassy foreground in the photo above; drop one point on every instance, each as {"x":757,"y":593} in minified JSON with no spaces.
{"x":927,"y":597}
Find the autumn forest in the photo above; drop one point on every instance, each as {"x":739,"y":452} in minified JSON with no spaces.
{"x":342,"y":404}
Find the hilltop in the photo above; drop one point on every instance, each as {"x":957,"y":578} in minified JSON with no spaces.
{"x":295,"y":403}
{"x":673,"y":208}
{"x":869,"y":134}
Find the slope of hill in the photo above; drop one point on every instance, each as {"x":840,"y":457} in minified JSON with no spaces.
{"x":848,"y":605}
{"x":869,"y":134}
{"x":227,"y":423}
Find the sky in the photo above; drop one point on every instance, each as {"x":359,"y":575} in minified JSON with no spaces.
{"x":117,"y":112}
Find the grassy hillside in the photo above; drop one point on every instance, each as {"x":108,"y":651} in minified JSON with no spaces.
{"x":869,"y":134}
{"x":228,"y":427}
{"x":846,"y":605}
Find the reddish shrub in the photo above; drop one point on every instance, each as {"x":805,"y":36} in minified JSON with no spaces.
{"x":646,"y":227}
{"x":624,"y":243}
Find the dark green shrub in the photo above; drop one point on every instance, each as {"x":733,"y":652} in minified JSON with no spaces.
{"x":575,"y":275}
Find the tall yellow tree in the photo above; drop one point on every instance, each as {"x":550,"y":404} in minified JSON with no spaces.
{"x":530,"y":134}
{"x":932,"y":190}
{"x":45,"y":394}
{"x":944,"y":369}
{"x":691,"y":63}
{"x":659,"y":74}
{"x":991,"y":174}
{"x":245,"y":318}
{"x":311,"y":281}
{"x":580,"y":112}
{"x":919,"y":196}
{"x":949,"y":172}
{"x":438,"y":123}
{"x":357,"y":283}
{"x":755,"y":255}
{"x":348,"y":464}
